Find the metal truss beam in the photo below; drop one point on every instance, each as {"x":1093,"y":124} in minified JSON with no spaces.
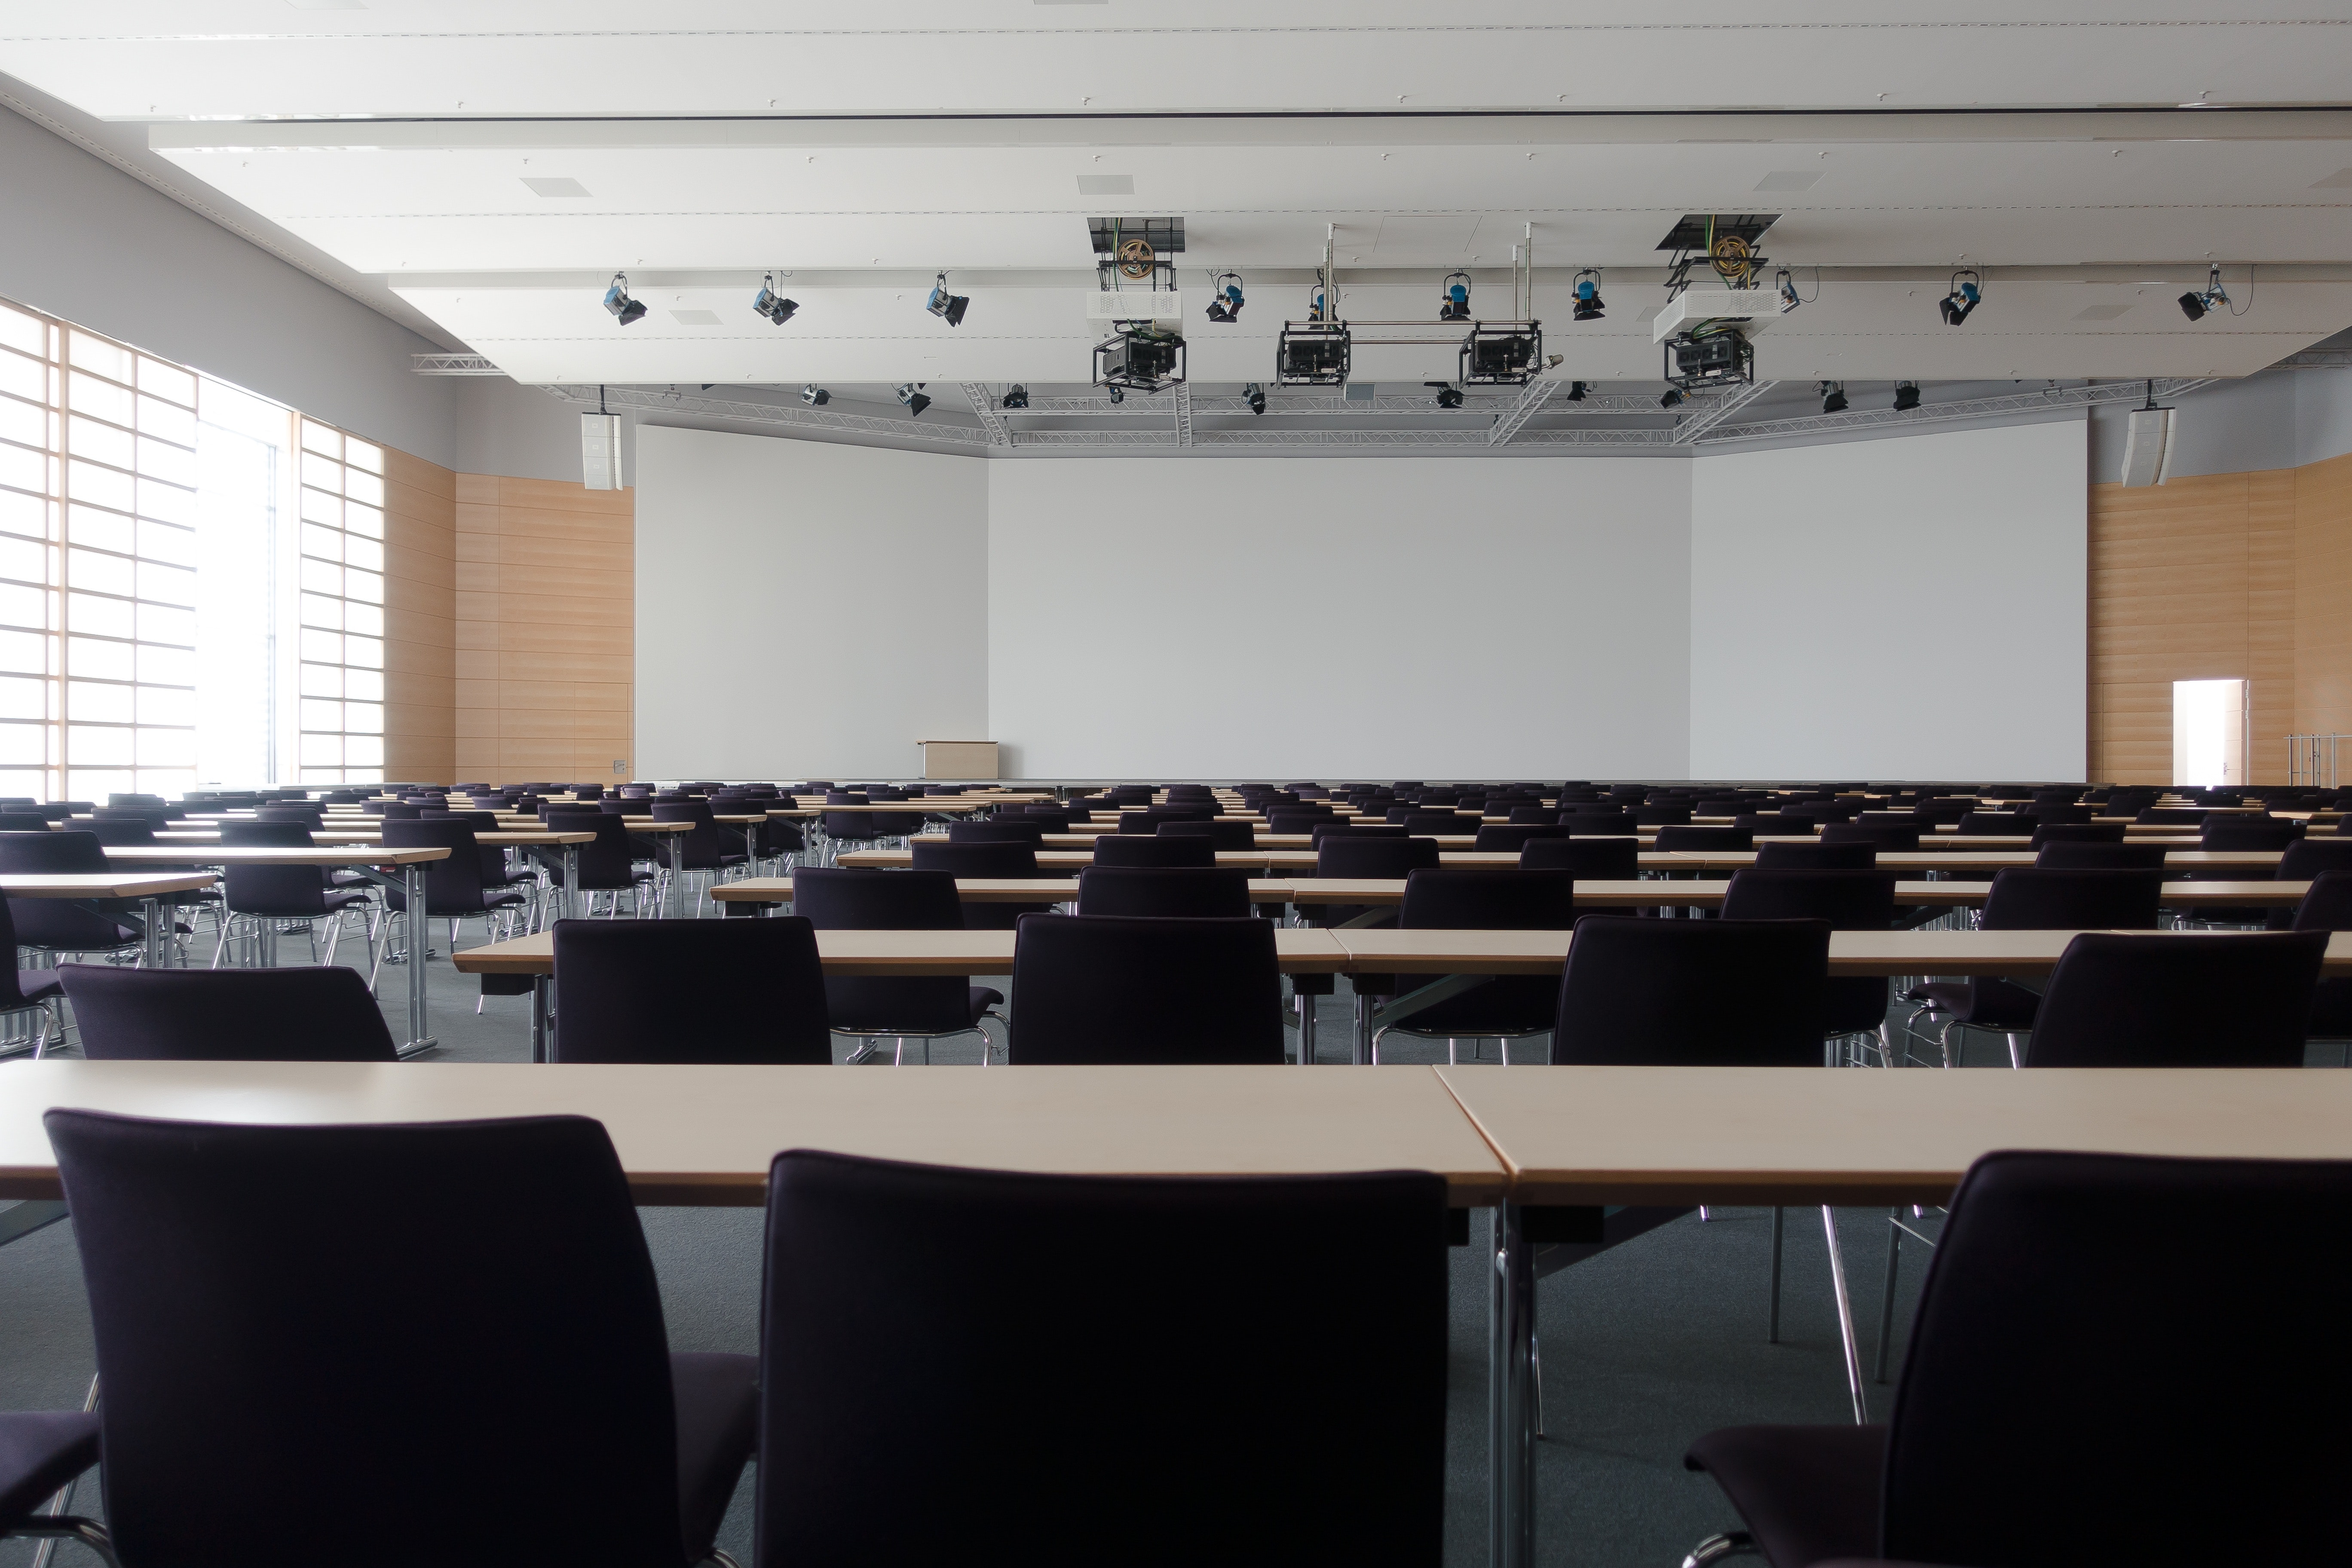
{"x":1514,"y":420}
{"x":1183,"y":414}
{"x":1691,"y":427}
{"x":453,"y":364}
{"x":1275,"y":437}
{"x":1423,"y":403}
{"x":984,"y":407}
{"x":1945,"y":413}
{"x":772,"y":414}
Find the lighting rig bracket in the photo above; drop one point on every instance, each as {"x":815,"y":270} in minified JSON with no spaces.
{"x":1705,"y":333}
{"x":1139,"y":302}
{"x":1139,"y":359}
{"x":1320,"y":351}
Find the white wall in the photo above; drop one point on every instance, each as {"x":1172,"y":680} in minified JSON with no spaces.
{"x":805,"y":609}
{"x":1399,"y":617}
{"x":1911,"y":608}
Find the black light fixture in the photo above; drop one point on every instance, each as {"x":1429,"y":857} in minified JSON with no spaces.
{"x":1453,"y":298}
{"x":1313,"y":354}
{"x":1671,"y":398}
{"x":1141,"y":358}
{"x":1226,"y":297}
{"x":1589,"y":304}
{"x":617,"y":301}
{"x":1448,"y":395}
{"x":1963,"y":297}
{"x":815,"y":396}
{"x":1907,"y":396}
{"x":1016,"y":396}
{"x":772,"y":305}
{"x":1833,"y":397}
{"x":911,"y":394}
{"x":1786,"y":286}
{"x":1116,"y":395}
{"x":1576,"y":390}
{"x":2197,"y":307}
{"x":949,"y":308}
{"x":1254,"y":396}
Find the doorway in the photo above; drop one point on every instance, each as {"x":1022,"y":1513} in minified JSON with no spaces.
{"x":2209,"y":733}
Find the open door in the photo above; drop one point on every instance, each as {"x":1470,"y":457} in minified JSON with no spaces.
{"x":2209,"y":733}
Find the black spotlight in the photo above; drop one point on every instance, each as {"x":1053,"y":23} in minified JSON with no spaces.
{"x":1907,"y":396}
{"x":949,"y":308}
{"x":911,"y":394}
{"x":1576,"y":390}
{"x":1448,"y":395}
{"x":617,"y":301}
{"x":1254,"y":396}
{"x":1832,"y":397}
{"x":1454,"y":301}
{"x":1226,"y":297}
{"x":2197,"y":307}
{"x":1962,"y":299}
{"x":772,"y":305}
{"x":2193,"y":307}
{"x":1671,"y":398}
{"x":1016,"y":396}
{"x":1589,"y":305}
{"x":815,"y":396}
{"x":1118,"y":395}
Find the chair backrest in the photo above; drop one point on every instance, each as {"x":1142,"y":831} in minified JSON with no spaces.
{"x":2178,"y":1001}
{"x":834,"y":897}
{"x":2222,"y":831}
{"x":1511,"y":839}
{"x":1003,"y":859}
{"x":1601,"y":824}
{"x":1437,"y":822}
{"x":2059,"y":1285}
{"x":115,"y":832}
{"x":1816,"y":856}
{"x":1878,"y":835}
{"x":1586,"y":859}
{"x":998,"y":830}
{"x":2040,"y":898}
{"x":2077,"y":833}
{"x":1221,"y":835}
{"x":1506,"y":898}
{"x":1849,"y":901}
{"x":1164,"y":892}
{"x":902,"y":1298}
{"x":266,"y":835}
{"x":236,"y":1274}
{"x":749,"y":991}
{"x":453,"y":884}
{"x":1995,"y":824}
{"x":1720,"y":839}
{"x":50,"y":852}
{"x":2064,"y":855}
{"x":317,"y":1013}
{"x":2307,"y":857}
{"x":1346,"y":855}
{"x":2327,"y":904}
{"x":1142,"y":849}
{"x":1126,"y":990}
{"x":1650,"y":992}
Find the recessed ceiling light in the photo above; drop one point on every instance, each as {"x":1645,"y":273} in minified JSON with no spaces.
{"x":1790,"y":180}
{"x":543,"y":186}
{"x":1105,"y":185}
{"x":695,"y":318}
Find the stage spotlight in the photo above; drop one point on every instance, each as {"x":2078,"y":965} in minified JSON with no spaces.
{"x":1576,"y":390}
{"x":815,"y":396}
{"x":772,"y":305}
{"x":1226,"y":297}
{"x":911,"y":394}
{"x":1448,"y":395}
{"x":1786,"y":290}
{"x":1254,"y":396}
{"x":1671,"y":398}
{"x":1589,"y":305}
{"x":1453,"y":300}
{"x":2197,"y":307}
{"x":617,"y":301}
{"x":1016,"y":396}
{"x":1313,"y":354}
{"x":1963,"y":297}
{"x":1116,"y":395}
{"x":949,"y":308}
{"x":1907,"y":396}
{"x":1832,"y":397}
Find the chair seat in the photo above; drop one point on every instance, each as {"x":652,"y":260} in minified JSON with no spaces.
{"x":1987,"y":1004}
{"x":38,"y":985}
{"x":983,"y":998}
{"x":40,"y":1451}
{"x":1512,"y":1005}
{"x":2331,"y":1008}
{"x":717,"y":1403}
{"x":1805,"y":1493}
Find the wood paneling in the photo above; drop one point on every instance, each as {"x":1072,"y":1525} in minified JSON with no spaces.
{"x":420,"y":525}
{"x":544,"y":605}
{"x":2221,"y":576}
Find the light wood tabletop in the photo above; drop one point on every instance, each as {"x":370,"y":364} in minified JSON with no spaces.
{"x":101,"y":884}
{"x":332,"y":838}
{"x":971,"y":889}
{"x":1943,"y":859}
{"x":1297,"y":950}
{"x":260,"y":855}
{"x":1826,"y":1135}
{"x":1707,"y":893}
{"x":705,"y":1135}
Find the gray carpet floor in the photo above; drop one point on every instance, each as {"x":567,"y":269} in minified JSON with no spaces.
{"x":1643,"y":1347}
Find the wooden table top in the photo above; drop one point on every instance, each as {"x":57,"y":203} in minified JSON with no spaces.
{"x":1708,"y":893}
{"x":101,"y":884}
{"x":1854,"y":954}
{"x":1297,"y":950}
{"x":334,"y":836}
{"x":1808,"y":1135}
{"x":705,"y":1135}
{"x":971,"y":889}
{"x":1943,"y":859}
{"x":255,"y":855}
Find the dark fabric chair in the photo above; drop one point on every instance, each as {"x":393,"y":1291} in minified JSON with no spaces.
{"x":984,"y":860}
{"x":2180,"y":1001}
{"x":997,"y":830}
{"x":40,"y":1452}
{"x":1601,"y":824}
{"x":318,"y":1013}
{"x":685,"y":990}
{"x":110,"y":832}
{"x":1586,"y":859}
{"x":54,"y":924}
{"x":1816,"y":856}
{"x":608,"y":865}
{"x":1994,"y":824}
{"x":1221,"y":835}
{"x":280,"y":892}
{"x":1137,"y":849}
{"x":2076,"y":833}
{"x":2056,"y":1287}
{"x":900,"y":1007}
{"x":2066,"y":855}
{"x":277,"y":1301}
{"x":1128,"y":990}
{"x":1652,"y":993}
{"x":907,"y":1298}
{"x":2172,"y":815}
{"x":2327,"y":906}
{"x":1164,"y":892}
{"x":453,"y":884}
{"x":1879,"y":836}
{"x":1485,"y":898}
{"x":2229,"y":831}
{"x":1849,"y":901}
{"x":23,"y":989}
{"x":1717,"y":840}
{"x":1495,"y":836}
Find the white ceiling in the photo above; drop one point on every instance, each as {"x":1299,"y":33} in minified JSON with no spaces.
{"x":843,"y":145}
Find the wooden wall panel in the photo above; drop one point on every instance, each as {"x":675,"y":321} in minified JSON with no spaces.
{"x":545,"y":615}
{"x":2323,"y":597}
{"x":420,"y":613}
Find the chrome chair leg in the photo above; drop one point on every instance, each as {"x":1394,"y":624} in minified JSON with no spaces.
{"x":1845,"y":1317}
{"x":1886,"y":1294}
{"x":1773,"y":1319}
{"x":1716,"y":1548}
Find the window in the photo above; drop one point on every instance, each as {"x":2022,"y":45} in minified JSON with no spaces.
{"x":191,"y":578}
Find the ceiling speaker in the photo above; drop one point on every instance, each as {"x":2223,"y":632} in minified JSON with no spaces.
{"x":2148,"y":446}
{"x":600,"y":451}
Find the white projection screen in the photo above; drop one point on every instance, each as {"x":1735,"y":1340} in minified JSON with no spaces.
{"x":1396,"y":617}
{"x":1908,"y":608}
